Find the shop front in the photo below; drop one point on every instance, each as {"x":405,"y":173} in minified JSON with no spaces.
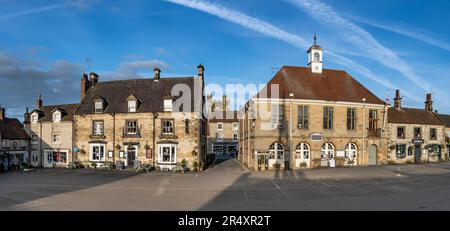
{"x":55,"y":158}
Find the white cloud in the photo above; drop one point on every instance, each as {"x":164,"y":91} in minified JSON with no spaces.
{"x":365,"y":42}
{"x":278,"y":33}
{"x":411,"y":33}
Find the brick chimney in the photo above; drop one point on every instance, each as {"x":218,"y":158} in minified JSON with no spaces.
{"x":429,"y":103}
{"x":94,"y":79}
{"x":201,"y":71}
{"x":397,"y":100}
{"x":26,"y":116}
{"x":39,"y":102}
{"x":2,"y":113}
{"x":85,"y":85}
{"x":157,"y":73}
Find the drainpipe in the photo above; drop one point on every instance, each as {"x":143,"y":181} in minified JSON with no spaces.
{"x":363,"y":131}
{"x":154,"y":138}
{"x":114,"y":137}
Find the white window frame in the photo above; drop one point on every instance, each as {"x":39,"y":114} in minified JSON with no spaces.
{"x":95,"y":132}
{"x":164,"y":126}
{"x":172,"y":153}
{"x":220,"y":126}
{"x":34,"y":118}
{"x":101,"y":158}
{"x":53,"y":138}
{"x":128,"y":130}
{"x":303,"y":152}
{"x":56,"y":117}
{"x":168,"y":105}
{"x":327,"y":151}
{"x":235,"y":126}
{"x":34,"y":141}
{"x":351,"y":151}
{"x":276,"y":151}
{"x":98,"y":107}
{"x":132,"y":106}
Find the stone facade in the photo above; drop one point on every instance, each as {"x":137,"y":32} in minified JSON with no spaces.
{"x":223,"y":133}
{"x":425,"y":149}
{"x":257,"y":136}
{"x":52,"y":138}
{"x":187,"y":138}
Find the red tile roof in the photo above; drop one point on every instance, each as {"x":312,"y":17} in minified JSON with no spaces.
{"x":12,"y":129}
{"x":330,"y":85}
{"x":413,"y":116}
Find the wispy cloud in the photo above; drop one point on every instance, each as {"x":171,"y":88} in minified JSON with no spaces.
{"x":408,"y":32}
{"x":359,"y":38}
{"x":80,"y":4}
{"x":280,"y":34}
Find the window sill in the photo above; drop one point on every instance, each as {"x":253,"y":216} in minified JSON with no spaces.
{"x":168,"y":136}
{"x":132,"y":136}
{"x":97,"y":136}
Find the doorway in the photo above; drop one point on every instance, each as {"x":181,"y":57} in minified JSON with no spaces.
{"x":372,"y":155}
{"x":130,"y":154}
{"x":417,"y":154}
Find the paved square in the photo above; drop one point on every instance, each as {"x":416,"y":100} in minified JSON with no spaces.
{"x":228,"y":186}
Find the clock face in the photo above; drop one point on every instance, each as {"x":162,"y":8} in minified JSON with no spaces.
{"x":317,"y":68}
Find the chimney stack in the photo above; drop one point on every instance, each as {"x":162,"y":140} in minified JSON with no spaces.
{"x":26,"y":117}
{"x":397,"y":100}
{"x":201,"y":71}
{"x":85,"y":85}
{"x":157,"y":72}
{"x":39,"y":102}
{"x":429,"y":103}
{"x":94,"y":79}
{"x":2,"y":113}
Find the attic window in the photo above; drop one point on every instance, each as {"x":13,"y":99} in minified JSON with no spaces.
{"x":167,"y":104}
{"x":132,"y":106}
{"x":34,"y":118}
{"x":57,"y":117}
{"x":98,"y":107}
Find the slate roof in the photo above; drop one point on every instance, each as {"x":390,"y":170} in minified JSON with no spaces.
{"x":46,"y":112}
{"x":12,"y":129}
{"x":330,"y":85}
{"x":149,"y":92}
{"x":445,"y":119}
{"x":223,"y":116}
{"x":413,"y":116}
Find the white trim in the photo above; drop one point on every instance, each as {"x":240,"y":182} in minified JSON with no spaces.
{"x":315,"y":102}
{"x":170,"y":146}
{"x":91,"y":147}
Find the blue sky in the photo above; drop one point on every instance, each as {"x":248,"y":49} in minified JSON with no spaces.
{"x":384,"y":44}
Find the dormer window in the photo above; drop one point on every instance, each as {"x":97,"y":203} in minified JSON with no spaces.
{"x":99,"y":107}
{"x":132,"y":105}
{"x":168,"y":105}
{"x":34,"y":118}
{"x":317,"y":57}
{"x":56,"y":117}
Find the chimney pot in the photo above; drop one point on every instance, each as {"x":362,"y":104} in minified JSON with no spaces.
{"x":201,"y":71}
{"x":397,"y":99}
{"x":429,"y":103}
{"x":94,"y":79}
{"x":157,"y":73}
{"x":85,"y":85}
{"x":39,"y":102}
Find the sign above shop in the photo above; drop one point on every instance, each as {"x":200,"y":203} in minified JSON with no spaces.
{"x":417,"y":141}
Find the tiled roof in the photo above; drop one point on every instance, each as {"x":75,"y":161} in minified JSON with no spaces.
{"x":149,"y":92}
{"x":46,"y":112}
{"x":330,"y":85}
{"x":445,"y":119}
{"x":12,"y":129}
{"x":413,"y":116}
{"x":223,"y":116}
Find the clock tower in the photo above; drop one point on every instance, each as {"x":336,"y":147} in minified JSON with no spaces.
{"x":315,"y":55}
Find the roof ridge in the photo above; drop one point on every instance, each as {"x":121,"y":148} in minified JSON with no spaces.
{"x":146,"y":79}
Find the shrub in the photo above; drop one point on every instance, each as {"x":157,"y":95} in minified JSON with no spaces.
{"x":94,"y":165}
{"x":183,"y":163}
{"x":195,"y":166}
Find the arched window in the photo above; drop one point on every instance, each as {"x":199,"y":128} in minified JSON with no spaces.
{"x":327,"y":151}
{"x":276,"y":151}
{"x":351,"y":151}
{"x":302,"y":151}
{"x":317,"y":57}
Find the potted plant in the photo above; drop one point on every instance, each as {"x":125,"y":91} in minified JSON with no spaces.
{"x":277,"y":166}
{"x":183,"y":163}
{"x":195,"y":166}
{"x":94,"y":165}
{"x":82,"y":151}
{"x":194,"y":153}
{"x":303,"y":164}
{"x":118,"y":147}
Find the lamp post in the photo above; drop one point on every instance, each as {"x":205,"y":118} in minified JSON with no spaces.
{"x":363,"y":130}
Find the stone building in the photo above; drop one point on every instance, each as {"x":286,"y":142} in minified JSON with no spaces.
{"x":156,"y":121}
{"x":52,"y":134}
{"x":415,"y":135}
{"x":311,"y":117}
{"x":446,"y":120}
{"x":14,"y":143}
{"x":223,"y":133}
